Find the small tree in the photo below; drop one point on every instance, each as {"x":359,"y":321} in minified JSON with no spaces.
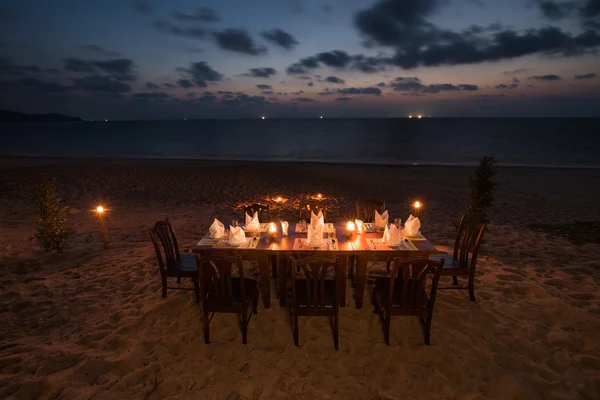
{"x":481,"y":190}
{"x":53,"y":231}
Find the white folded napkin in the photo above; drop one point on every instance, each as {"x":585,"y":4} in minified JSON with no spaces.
{"x":252,"y":223}
{"x":216,"y":229}
{"x":391,"y":235}
{"x":284,"y":228}
{"x":381,"y":220}
{"x":236,"y":235}
{"x":315,"y":234}
{"x":359,"y":225}
{"x":412,"y":226}
{"x":318,"y":218}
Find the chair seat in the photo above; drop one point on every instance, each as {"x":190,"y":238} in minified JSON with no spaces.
{"x":382,"y":287}
{"x":451,"y":266}
{"x":330,"y":291}
{"x":187,"y":263}
{"x":251,"y":286}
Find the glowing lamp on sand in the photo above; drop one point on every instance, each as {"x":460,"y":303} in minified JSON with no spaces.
{"x":319,"y":196}
{"x":420,"y":116}
{"x":417,"y":206}
{"x":279,"y":199}
{"x":350,"y":227}
{"x":100,"y":211}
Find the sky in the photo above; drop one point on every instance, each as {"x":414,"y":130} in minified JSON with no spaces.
{"x":160,"y":59}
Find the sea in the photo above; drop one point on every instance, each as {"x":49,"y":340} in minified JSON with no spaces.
{"x":549,"y":142}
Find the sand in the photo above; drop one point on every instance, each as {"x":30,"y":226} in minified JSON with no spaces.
{"x":90,"y":323}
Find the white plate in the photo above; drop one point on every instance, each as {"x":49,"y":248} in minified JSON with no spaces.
{"x":392,"y":245}
{"x":314,"y":245}
{"x":235,"y":244}
{"x":215,"y":237}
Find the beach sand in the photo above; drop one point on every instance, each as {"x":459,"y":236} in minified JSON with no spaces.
{"x":91,"y":323}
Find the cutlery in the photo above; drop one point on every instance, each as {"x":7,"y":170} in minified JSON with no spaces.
{"x":373,"y":243}
{"x":333,"y":243}
{"x":300,"y":242}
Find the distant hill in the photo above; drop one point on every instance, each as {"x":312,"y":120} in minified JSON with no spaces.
{"x":13,"y":116}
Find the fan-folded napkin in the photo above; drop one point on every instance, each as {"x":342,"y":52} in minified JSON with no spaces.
{"x":412,"y":226}
{"x":236,"y":235}
{"x":216,"y":229}
{"x":381,"y":220}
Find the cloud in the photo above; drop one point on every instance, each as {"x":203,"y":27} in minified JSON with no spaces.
{"x":120,"y":68}
{"x":264,"y":87}
{"x":515,"y":80}
{"x":503,"y":86}
{"x":204,"y":14}
{"x":8,"y":67}
{"x":200,"y":73}
{"x":92,"y":48}
{"x":239,"y":41}
{"x":368,"y":90}
{"x":414,"y":84}
{"x":186,"y":83}
{"x":340,"y":60}
{"x":151,"y":95}
{"x":280,"y":38}
{"x":403,"y":25}
{"x":555,"y":11}
{"x":343,"y":98}
{"x":191,"y":33}
{"x":381,"y":84}
{"x":261,"y":72}
{"x":310,"y":84}
{"x":586,"y":76}
{"x":267,"y":92}
{"x":305,"y":99}
{"x":243,"y":99}
{"x":550,"y":77}
{"x":144,"y":7}
{"x":305,"y":77}
{"x":335,"y":58}
{"x":77,"y":65}
{"x":517,"y":71}
{"x":97,"y":83}
{"x":335,"y":79}
{"x":151,"y":85}
{"x":40,"y":86}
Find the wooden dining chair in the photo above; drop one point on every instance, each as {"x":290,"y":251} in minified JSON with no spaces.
{"x":405,"y":292}
{"x":463,"y":261}
{"x":315,"y":294}
{"x":262,"y":210}
{"x":305,"y":210}
{"x":174,"y":264}
{"x":365,"y":210}
{"x":222,"y":293}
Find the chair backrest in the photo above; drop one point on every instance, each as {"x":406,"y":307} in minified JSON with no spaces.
{"x":163,"y":233}
{"x":214,"y":275}
{"x":315,"y":270}
{"x":365,"y":210}
{"x":261,"y":209}
{"x":306,"y":209}
{"x":468,"y":240}
{"x":412,"y":275}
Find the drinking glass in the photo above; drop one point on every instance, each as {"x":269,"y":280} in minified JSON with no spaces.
{"x":225,"y":235}
{"x":397,"y":222}
{"x":303,"y":225}
{"x":235,"y":223}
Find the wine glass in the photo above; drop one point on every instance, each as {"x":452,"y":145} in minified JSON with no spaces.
{"x":398,"y":222}
{"x":235,"y":223}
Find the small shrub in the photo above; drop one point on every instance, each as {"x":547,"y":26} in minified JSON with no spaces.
{"x":53,"y":232}
{"x":481,"y":191}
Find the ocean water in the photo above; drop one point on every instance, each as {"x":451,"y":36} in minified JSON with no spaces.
{"x":513,"y":141}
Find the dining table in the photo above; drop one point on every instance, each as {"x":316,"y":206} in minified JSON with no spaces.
{"x":354,"y":251}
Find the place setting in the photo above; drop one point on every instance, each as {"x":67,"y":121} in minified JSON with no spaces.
{"x":234,"y":237}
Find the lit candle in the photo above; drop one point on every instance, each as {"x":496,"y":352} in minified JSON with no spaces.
{"x":272,"y":229}
{"x":284,"y":228}
{"x":417,"y":206}
{"x":350,"y":228}
{"x":100,"y":211}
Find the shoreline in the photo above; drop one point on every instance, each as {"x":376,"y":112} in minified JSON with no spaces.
{"x":30,"y":161}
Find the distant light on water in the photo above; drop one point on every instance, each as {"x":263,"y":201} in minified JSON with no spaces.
{"x":105,"y":120}
{"x":410,"y":116}
{"x":420,"y":116}
{"x":262,"y":117}
{"x":321,"y":117}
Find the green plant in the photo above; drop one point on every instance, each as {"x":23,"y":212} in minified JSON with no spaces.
{"x":53,"y":231}
{"x":481,"y":190}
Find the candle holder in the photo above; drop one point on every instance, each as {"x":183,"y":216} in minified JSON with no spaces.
{"x":284,"y":228}
{"x":350,"y":228}
{"x":100,"y":210}
{"x":272,"y":231}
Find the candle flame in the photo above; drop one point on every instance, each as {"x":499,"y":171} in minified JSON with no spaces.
{"x":272,"y":227}
{"x":350,"y":226}
{"x":319,"y":195}
{"x":100,"y":209}
{"x":417,"y":204}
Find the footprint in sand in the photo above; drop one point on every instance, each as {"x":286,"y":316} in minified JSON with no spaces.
{"x":514,"y":278}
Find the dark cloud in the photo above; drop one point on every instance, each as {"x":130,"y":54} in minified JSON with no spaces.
{"x":341,"y":60}
{"x":503,"y":86}
{"x":185,"y":83}
{"x":200,"y":73}
{"x":556,"y":11}
{"x":280,"y":38}
{"x":239,"y":41}
{"x":515,"y":80}
{"x":170,"y":85}
{"x":92,"y":48}
{"x":261,"y":72}
{"x":8,"y":67}
{"x":151,"y":85}
{"x":243,"y":99}
{"x":267,"y":92}
{"x":414,"y":84}
{"x":264,"y":87}
{"x":335,"y":79}
{"x":327,"y":92}
{"x":550,"y":77}
{"x":77,"y":65}
{"x":144,"y":7}
{"x":305,"y":99}
{"x":120,"y":68}
{"x":586,"y":76}
{"x":151,"y":96}
{"x":343,"y":99}
{"x":97,"y":83}
{"x":204,"y":14}
{"x":40,"y":86}
{"x":381,"y":84}
{"x":305,"y":77}
{"x":310,"y":84}
{"x":335,"y":58}
{"x":368,"y":90}
{"x":414,"y":94}
{"x":192,"y":33}
{"x":404,"y":25}
{"x":517,"y":71}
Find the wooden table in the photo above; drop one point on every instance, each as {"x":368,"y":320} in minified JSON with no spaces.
{"x":281,"y":248}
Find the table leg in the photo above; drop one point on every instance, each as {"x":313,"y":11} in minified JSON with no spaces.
{"x":265,"y":280}
{"x":342,"y":282}
{"x":282,"y":264}
{"x":361,"y":279}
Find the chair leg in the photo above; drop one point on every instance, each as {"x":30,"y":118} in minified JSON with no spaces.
{"x":387,"y":268}
{"x":472,"y":288}
{"x":164,"y":286}
{"x":274,"y":266}
{"x":295,"y":322}
{"x":386,"y":328}
{"x":351,"y":267}
{"x":427,"y":330}
{"x":255,"y":303}
{"x":178,"y":279}
{"x":244,"y":327}
{"x":455,"y":280}
{"x":206,"y":331}
{"x":197,"y":289}
{"x":336,"y":328}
